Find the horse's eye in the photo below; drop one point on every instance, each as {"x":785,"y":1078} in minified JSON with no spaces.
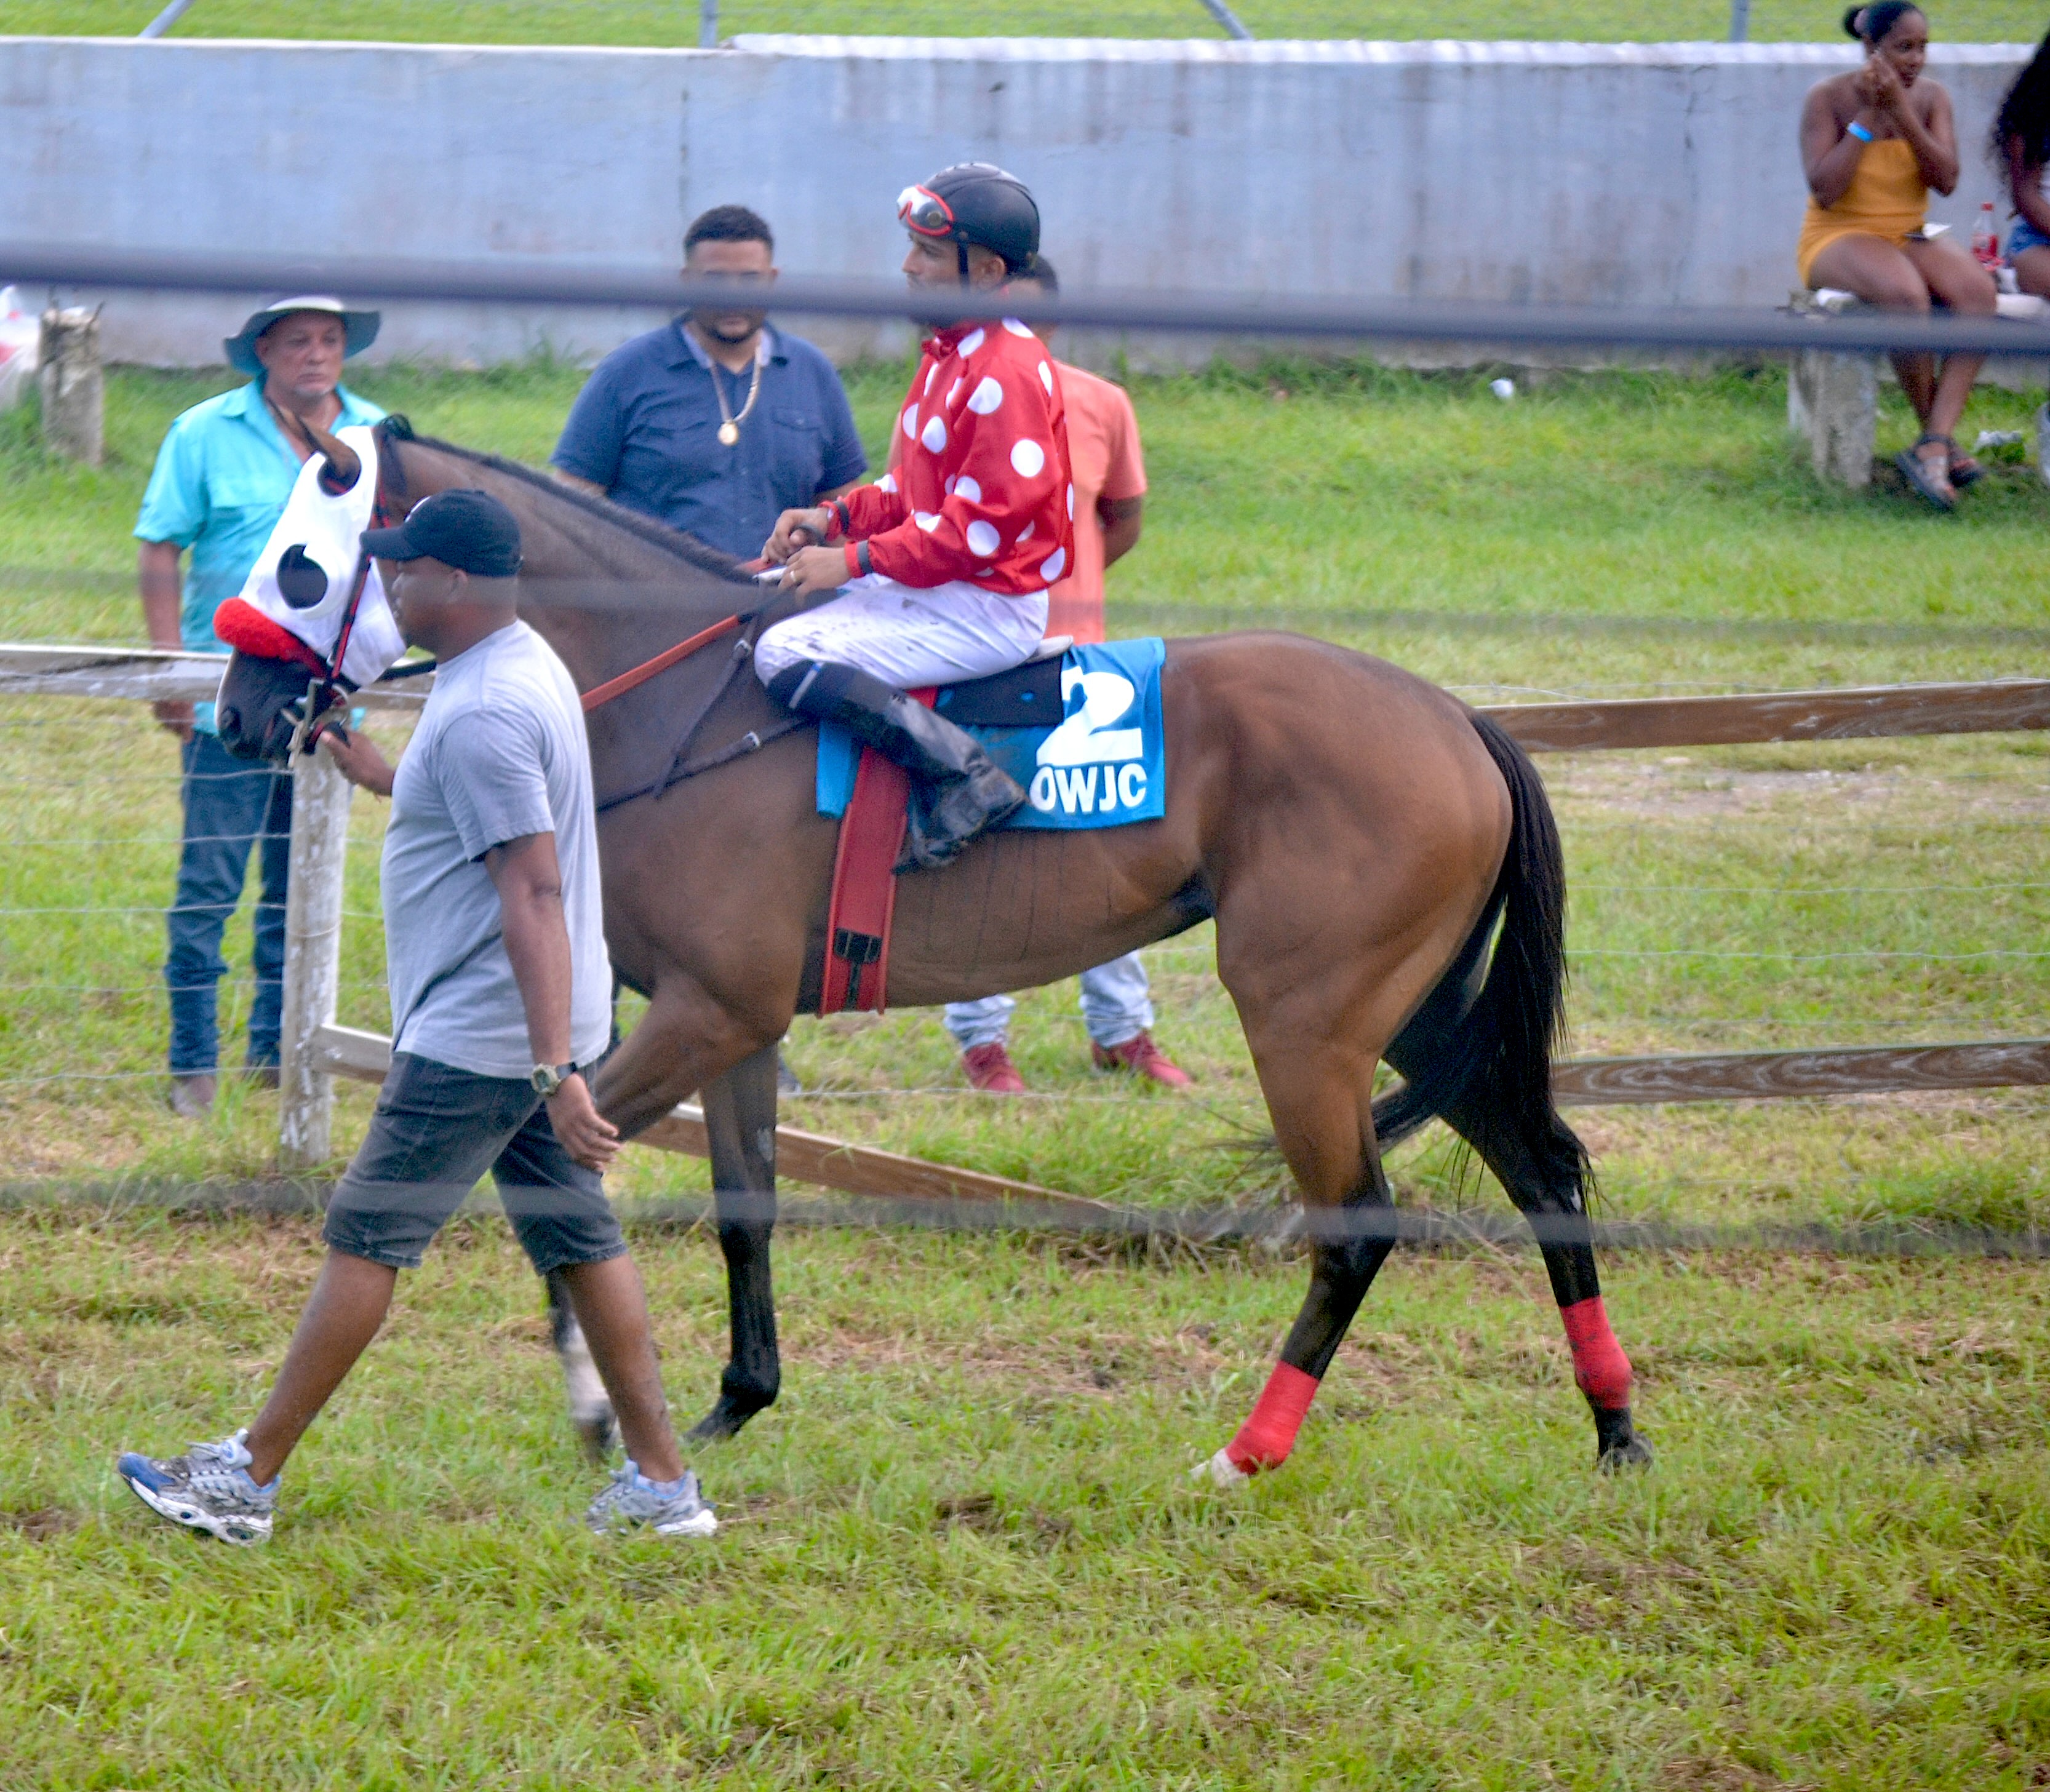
{"x":301,"y":582}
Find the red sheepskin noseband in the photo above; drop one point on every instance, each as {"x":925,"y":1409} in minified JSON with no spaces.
{"x":248,"y":630}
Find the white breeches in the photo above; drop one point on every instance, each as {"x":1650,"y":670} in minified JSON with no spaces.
{"x":910,"y":637}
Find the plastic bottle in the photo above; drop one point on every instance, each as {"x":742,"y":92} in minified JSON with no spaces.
{"x":1985,"y":238}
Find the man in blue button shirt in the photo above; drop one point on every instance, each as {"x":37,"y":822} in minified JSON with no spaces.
{"x":219,"y":487}
{"x":715,"y":423}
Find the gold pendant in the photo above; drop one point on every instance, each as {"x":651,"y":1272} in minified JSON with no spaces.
{"x":729,"y":433}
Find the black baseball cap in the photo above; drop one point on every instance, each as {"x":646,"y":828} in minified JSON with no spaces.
{"x":470,"y":531}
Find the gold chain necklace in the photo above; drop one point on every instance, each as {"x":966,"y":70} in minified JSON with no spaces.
{"x":729,"y":428}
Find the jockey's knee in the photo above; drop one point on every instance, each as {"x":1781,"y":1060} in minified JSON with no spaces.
{"x":775,"y":653}
{"x":822,"y":688}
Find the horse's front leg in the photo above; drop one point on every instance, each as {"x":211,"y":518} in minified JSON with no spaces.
{"x":740,"y":1119}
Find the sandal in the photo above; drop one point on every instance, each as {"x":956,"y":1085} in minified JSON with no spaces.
{"x":1932,"y":486}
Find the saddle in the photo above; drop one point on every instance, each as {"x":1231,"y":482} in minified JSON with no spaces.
{"x":855,"y":974}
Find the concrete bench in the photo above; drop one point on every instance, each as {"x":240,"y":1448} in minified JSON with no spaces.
{"x":1833,"y":397}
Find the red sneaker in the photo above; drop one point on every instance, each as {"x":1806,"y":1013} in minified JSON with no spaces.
{"x":990,"y":1069}
{"x":1140,"y":1055}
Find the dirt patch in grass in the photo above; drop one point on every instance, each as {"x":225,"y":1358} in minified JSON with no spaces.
{"x":1630,"y":786}
{"x":39,"y":1523}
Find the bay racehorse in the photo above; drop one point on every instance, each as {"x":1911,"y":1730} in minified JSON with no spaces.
{"x":1380,"y":861}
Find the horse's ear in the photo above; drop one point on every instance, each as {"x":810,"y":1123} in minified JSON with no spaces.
{"x":390,"y":467}
{"x":344,"y":465}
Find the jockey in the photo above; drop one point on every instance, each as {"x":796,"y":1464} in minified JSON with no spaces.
{"x":941,"y":568}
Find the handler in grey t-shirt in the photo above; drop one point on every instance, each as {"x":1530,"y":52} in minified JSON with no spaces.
{"x":501,"y":992}
{"x":499,"y":755}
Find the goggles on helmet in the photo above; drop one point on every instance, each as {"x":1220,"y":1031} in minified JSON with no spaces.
{"x":925,"y":212}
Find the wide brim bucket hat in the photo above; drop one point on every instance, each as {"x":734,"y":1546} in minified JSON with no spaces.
{"x":359,"y":327}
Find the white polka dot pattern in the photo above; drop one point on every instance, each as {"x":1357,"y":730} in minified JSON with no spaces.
{"x":982,"y":421}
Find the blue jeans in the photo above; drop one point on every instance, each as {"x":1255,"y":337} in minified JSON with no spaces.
{"x":230,"y":806}
{"x":1116,"y":1007}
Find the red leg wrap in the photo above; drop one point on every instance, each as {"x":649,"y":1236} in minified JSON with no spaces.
{"x":1269,"y":1434}
{"x":1600,"y":1367}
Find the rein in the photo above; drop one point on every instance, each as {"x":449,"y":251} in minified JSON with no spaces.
{"x":648,"y":669}
{"x":679,"y":767}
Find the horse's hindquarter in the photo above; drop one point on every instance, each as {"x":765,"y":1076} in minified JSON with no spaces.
{"x":1357,"y":839}
{"x":1318,"y":788}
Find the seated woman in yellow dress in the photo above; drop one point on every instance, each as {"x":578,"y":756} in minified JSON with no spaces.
{"x":1874,"y":142}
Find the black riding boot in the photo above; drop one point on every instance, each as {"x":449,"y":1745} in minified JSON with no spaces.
{"x":957,"y":790}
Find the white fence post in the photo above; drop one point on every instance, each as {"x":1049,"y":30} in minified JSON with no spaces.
{"x":313,"y":957}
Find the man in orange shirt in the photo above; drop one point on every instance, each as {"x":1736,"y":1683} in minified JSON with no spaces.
{"x":1110,"y":497}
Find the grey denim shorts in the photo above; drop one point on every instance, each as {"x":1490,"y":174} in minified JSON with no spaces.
{"x":436,"y":1130}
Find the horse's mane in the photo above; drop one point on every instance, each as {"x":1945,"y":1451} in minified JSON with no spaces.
{"x":673,"y":542}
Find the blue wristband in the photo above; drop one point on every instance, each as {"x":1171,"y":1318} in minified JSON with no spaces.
{"x":1854,"y":129}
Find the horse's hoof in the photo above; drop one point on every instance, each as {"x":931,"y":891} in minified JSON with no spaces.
{"x":1222,"y":1472}
{"x":598,"y":1432}
{"x":723,"y":1421}
{"x":1619,"y":1444}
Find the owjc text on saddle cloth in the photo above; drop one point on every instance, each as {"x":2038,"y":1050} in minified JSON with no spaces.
{"x":1102,"y":764}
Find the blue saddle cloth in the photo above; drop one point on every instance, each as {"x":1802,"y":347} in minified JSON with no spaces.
{"x":1104,"y":764}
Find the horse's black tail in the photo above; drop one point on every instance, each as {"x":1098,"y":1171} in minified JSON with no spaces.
{"x":1500,"y":1041}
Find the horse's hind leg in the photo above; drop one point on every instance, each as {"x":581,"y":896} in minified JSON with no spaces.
{"x":740,"y":1118}
{"x":1538,"y":1160}
{"x":1321,"y":1122}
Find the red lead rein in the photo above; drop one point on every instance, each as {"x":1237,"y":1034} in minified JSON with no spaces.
{"x":647,"y":669}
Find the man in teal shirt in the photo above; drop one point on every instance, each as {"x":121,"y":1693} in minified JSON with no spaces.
{"x":221,"y":483}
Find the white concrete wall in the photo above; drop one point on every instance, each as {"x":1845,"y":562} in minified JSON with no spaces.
{"x":1637,"y":174}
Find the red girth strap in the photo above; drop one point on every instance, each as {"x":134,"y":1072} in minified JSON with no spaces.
{"x":647,"y":669}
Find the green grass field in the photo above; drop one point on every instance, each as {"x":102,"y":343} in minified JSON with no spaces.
{"x":965,"y":1551}
{"x":670,"y":22}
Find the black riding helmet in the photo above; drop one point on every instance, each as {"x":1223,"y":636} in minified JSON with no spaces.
{"x":975,"y":202}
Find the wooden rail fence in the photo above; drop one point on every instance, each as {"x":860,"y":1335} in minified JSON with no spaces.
{"x":316,"y":1050}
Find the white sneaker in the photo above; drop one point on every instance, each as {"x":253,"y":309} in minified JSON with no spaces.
{"x":208,"y":1488}
{"x":673,"y":1508}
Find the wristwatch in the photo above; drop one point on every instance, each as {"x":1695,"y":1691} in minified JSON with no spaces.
{"x":547,"y":1078}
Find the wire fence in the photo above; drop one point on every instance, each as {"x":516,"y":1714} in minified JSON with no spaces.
{"x":89,"y":853}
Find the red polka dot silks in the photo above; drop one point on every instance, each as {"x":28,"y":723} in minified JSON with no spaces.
{"x":1269,"y":1434}
{"x":980,"y":487}
{"x":1599,"y":1367}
